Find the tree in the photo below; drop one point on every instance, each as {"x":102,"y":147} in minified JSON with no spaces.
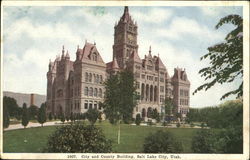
{"x":138,"y":119}
{"x":92,"y":115}
{"x":25,"y":116}
{"x":162,"y":142}
{"x":11,"y":105}
{"x":41,"y":117}
{"x":120,"y":98}
{"x":78,"y":138}
{"x":6,"y":117}
{"x":204,"y":141}
{"x":62,"y":117}
{"x":50,"y":116}
{"x":149,"y":112}
{"x":169,"y":106}
{"x":226,"y":58}
{"x":33,"y":111}
{"x":72,"y":117}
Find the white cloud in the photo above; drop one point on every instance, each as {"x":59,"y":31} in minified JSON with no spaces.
{"x":181,"y":26}
{"x":35,"y":31}
{"x":217,"y":11}
{"x":154,"y":15}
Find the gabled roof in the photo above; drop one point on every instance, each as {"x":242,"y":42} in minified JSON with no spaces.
{"x":113,"y":64}
{"x":180,"y":74}
{"x":88,"y":49}
{"x":135,"y":57}
{"x":159,"y":63}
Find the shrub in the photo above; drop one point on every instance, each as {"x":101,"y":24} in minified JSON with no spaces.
{"x":78,"y":138}
{"x":72,"y":118}
{"x":100,"y":117}
{"x":62,"y":117}
{"x":162,"y":142}
{"x":92,"y":115}
{"x":50,"y":116}
{"x":6,"y":117}
{"x":202,"y":125}
{"x":25,"y":116}
{"x":204,"y":141}
{"x":230,"y":140}
{"x":178,"y":125}
{"x":67,"y":118}
{"x":150,"y":123}
{"x":164,"y":123}
{"x":138,"y":119}
{"x":41,"y":116}
{"x":191,"y":125}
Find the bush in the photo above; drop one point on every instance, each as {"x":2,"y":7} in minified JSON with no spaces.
{"x":204,"y":141}
{"x":138,"y":119}
{"x":150,"y":123}
{"x":162,"y":142}
{"x":6,"y":117}
{"x":230,"y":140}
{"x":178,"y":125}
{"x":25,"y":116}
{"x":62,"y":118}
{"x":202,"y":125}
{"x":78,"y":138}
{"x":50,"y":116}
{"x":41,"y":116}
{"x":164,"y":123}
{"x":191,"y":125}
{"x":100,"y":117}
{"x":92,"y":115}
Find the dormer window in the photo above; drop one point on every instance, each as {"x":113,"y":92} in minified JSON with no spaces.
{"x":94,"y":56}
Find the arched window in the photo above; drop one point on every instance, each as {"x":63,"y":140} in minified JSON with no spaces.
{"x":91,"y":91}
{"x":59,"y":93}
{"x":86,"y":91}
{"x":86,"y":77}
{"x":90,"y":77}
{"x":100,"y":93}
{"x":100,"y":78}
{"x":95,"y":92}
{"x":94,"y":78}
{"x":97,"y":79}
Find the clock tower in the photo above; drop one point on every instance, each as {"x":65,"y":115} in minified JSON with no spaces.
{"x":125,"y":39}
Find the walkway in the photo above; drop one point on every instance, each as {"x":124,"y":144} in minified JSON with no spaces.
{"x":31,"y":124}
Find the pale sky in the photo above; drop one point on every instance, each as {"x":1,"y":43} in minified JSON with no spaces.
{"x":180,"y":35}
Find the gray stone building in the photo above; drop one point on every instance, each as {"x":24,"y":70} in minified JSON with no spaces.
{"x":76,"y":86}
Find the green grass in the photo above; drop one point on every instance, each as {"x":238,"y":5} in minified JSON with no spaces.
{"x":33,"y":140}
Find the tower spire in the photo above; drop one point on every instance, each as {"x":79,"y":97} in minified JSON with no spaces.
{"x":126,"y":9}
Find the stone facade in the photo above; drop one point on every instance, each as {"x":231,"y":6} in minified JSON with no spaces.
{"x":76,"y":86}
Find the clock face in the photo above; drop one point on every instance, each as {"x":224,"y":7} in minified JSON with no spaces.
{"x":130,"y":37}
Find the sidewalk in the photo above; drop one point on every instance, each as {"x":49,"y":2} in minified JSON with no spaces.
{"x":31,"y":124}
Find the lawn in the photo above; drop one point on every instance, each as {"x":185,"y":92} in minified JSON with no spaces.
{"x":33,"y":140}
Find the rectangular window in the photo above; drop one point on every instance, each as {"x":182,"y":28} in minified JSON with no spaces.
{"x":161,"y":98}
{"x":137,"y":85}
{"x":161,"y":79}
{"x":86,"y":105}
{"x":162,"y":88}
{"x":143,"y":76}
